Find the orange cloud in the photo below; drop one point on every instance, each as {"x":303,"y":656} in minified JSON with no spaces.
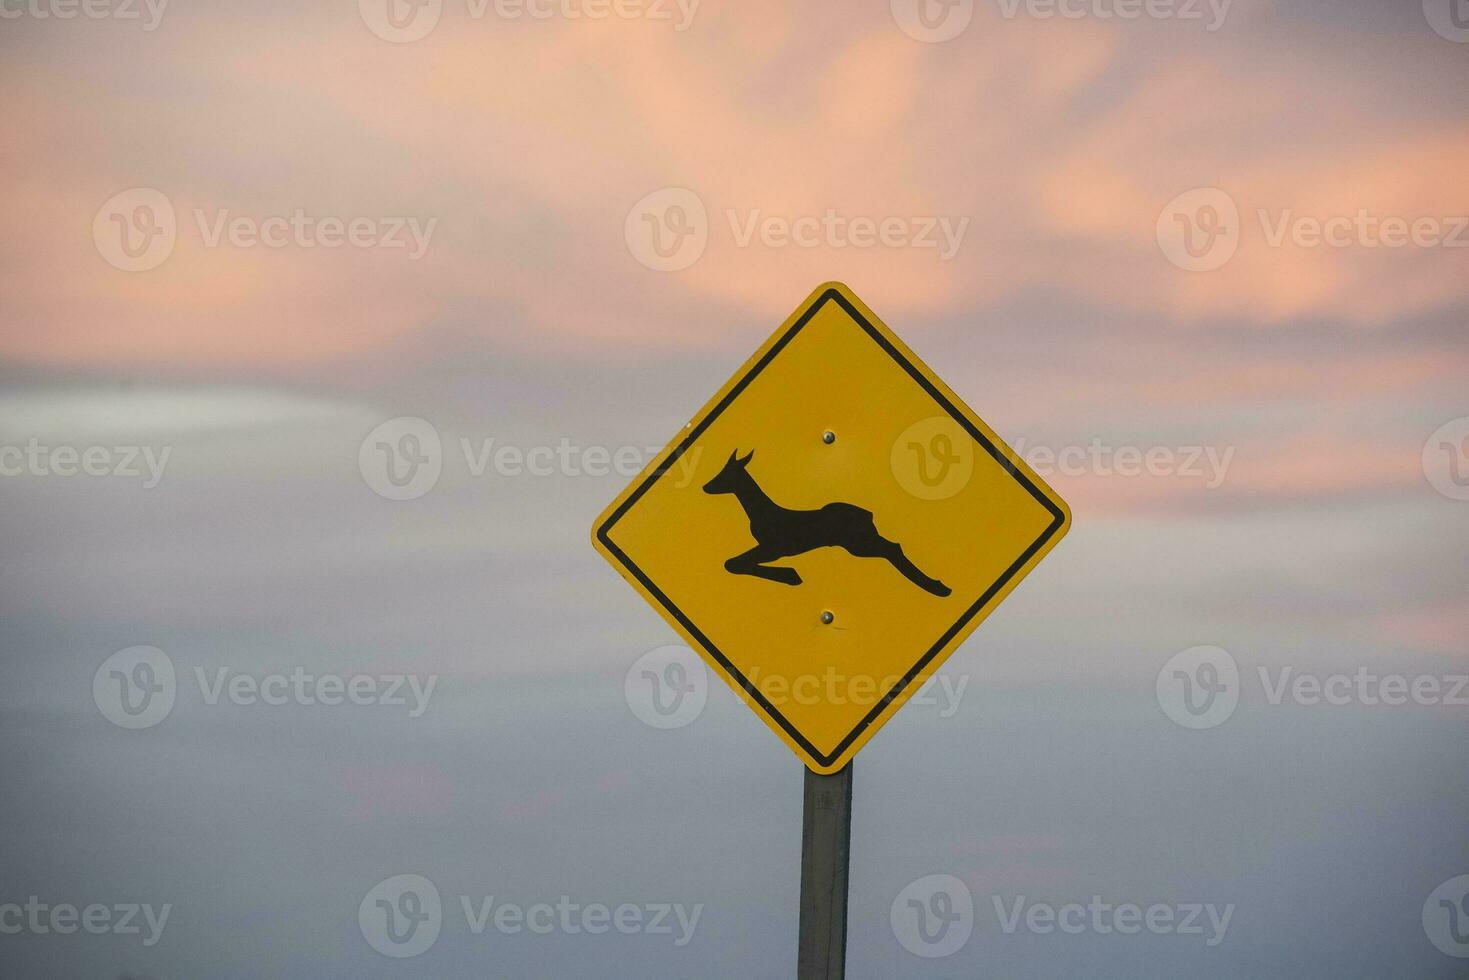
{"x":1057,"y":142}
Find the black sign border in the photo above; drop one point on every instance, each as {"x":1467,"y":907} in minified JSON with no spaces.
{"x":1058,"y":520}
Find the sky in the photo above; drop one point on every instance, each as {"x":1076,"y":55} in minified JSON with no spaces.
{"x":1203,"y":265}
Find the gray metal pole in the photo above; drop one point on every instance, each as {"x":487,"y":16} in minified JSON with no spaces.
{"x":826,"y":844}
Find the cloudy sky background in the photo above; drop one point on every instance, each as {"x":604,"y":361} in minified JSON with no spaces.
{"x":530,"y":320}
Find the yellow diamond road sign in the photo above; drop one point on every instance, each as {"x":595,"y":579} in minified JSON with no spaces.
{"x":830,"y":527}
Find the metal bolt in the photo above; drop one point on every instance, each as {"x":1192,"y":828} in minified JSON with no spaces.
{"x":827,"y":617}
{"x":828,"y":437}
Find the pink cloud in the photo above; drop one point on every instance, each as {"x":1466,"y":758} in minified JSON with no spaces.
{"x":530,"y":141}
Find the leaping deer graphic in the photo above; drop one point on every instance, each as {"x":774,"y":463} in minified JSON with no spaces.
{"x":783,"y":533}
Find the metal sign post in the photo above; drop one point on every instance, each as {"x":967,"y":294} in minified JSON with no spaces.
{"x":824,"y":532}
{"x":826,"y":844}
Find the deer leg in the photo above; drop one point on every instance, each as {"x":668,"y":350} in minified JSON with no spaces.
{"x":912,"y":573}
{"x":750,"y":563}
{"x":879,"y":547}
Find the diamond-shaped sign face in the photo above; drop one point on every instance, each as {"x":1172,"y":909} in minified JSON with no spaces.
{"x":830,"y":527}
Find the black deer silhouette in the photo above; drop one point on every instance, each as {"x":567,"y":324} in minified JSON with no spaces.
{"x":782,"y":532}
